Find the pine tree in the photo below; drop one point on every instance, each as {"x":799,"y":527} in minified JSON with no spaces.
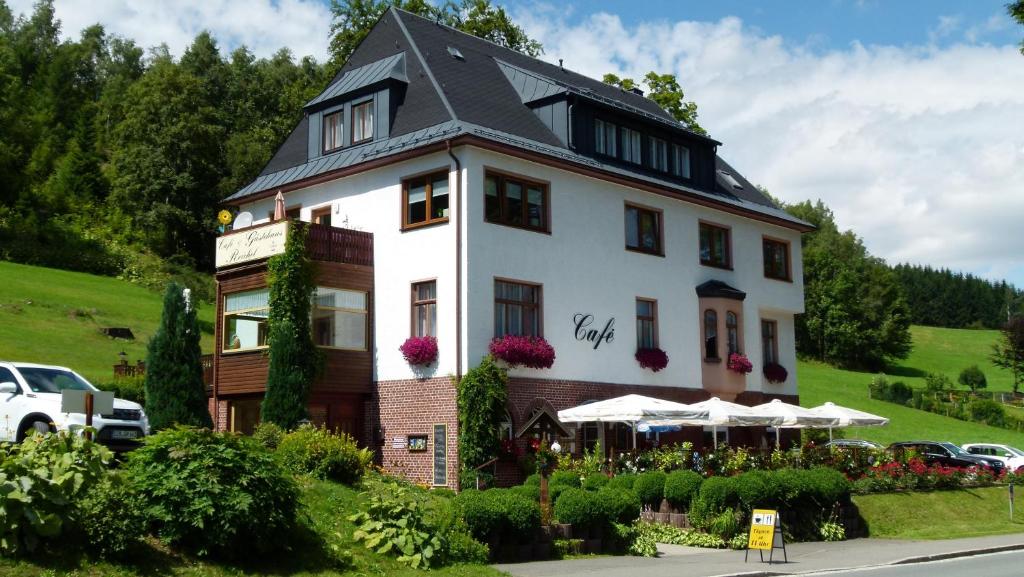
{"x":294,"y":358}
{"x":175,"y":392}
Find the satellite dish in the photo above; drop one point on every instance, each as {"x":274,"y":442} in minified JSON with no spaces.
{"x":243,"y":220}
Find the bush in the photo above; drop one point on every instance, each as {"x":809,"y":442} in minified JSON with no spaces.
{"x":973,"y":378}
{"x":650,"y":488}
{"x":987,"y":411}
{"x":499,"y":514}
{"x":322,"y":454}
{"x":724,"y":525}
{"x":595,"y":481}
{"x":128,"y":388}
{"x":481,"y":398}
{"x":937,"y":383}
{"x":565,"y":478}
{"x":580,"y":509}
{"x":268,"y":434}
{"x":394,"y":523}
{"x":111,"y":518}
{"x":716,"y":495}
{"x":531,"y":492}
{"x":681,"y":487}
{"x":619,"y":505}
{"x":41,"y":479}
{"x":533,"y":479}
{"x":757,"y":490}
{"x":214,"y":493}
{"x":623,"y":481}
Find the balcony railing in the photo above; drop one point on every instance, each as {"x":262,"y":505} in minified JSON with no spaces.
{"x":342,"y":245}
{"x":124,"y":370}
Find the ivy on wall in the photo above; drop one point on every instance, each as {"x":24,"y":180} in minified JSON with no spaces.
{"x":482,"y":396}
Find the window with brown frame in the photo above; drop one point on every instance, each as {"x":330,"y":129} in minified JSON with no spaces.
{"x":643,"y":229}
{"x":646,"y":323}
{"x":292,"y":213}
{"x":362,"y":122}
{"x":334,"y":129}
{"x":341,"y":318}
{"x":732,"y":332}
{"x":517,"y":309}
{"x":770,"y":341}
{"x":776,"y":259}
{"x":710,"y":335}
{"x":322,"y":216}
{"x":424,"y":309}
{"x":425,"y":200}
{"x":513,"y":201}
{"x":714,"y":246}
{"x":245,"y":320}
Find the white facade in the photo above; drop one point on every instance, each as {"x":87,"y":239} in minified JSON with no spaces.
{"x":582,"y":265}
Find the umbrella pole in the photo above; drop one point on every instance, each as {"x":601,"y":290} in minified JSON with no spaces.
{"x":830,"y":434}
{"x":778,"y":443}
{"x":634,"y":435}
{"x":714,"y":435}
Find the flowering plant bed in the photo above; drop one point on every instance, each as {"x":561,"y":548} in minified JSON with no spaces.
{"x":509,"y":450}
{"x":530,"y":352}
{"x":914,"y":474}
{"x":775,"y":373}
{"x":653,"y":358}
{"x":739,"y":364}
{"x":419,"y":350}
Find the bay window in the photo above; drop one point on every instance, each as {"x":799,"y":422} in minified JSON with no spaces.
{"x":245,"y":320}
{"x":732,"y":332}
{"x":710,"y":335}
{"x":340,"y":318}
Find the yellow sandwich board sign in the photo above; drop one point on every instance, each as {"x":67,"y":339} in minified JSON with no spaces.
{"x":765,"y":534}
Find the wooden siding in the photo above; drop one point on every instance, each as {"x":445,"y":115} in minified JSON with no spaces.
{"x":240,"y":373}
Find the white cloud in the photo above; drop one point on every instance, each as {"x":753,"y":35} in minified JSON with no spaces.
{"x":919,"y":149}
{"x":262,"y":25}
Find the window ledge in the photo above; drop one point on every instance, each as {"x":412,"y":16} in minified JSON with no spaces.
{"x":243,"y":351}
{"x":520,"y":227}
{"x":779,"y":278}
{"x":710,"y":360}
{"x":718,"y":266}
{"x":647,"y":252}
{"x":427,"y":224}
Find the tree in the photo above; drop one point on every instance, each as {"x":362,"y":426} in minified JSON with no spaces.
{"x":481,"y":398}
{"x":294,"y":359}
{"x":1008,"y":351}
{"x":973,"y":378}
{"x":353,"y":19}
{"x":855,"y":314}
{"x":665,"y":91}
{"x":1016,"y":11}
{"x":175,"y":391}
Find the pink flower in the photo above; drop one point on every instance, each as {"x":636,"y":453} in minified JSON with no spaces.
{"x":419,"y":350}
{"x":530,"y":352}
{"x":739,"y":364}
{"x":653,"y":358}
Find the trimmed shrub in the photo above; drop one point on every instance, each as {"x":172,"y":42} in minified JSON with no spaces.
{"x":681,"y":487}
{"x":533,"y":479}
{"x":499,"y":514}
{"x":111,"y":517}
{"x":595,"y":481}
{"x":619,"y":505}
{"x":650,"y":488}
{"x":580,"y":509}
{"x":973,"y":378}
{"x":757,"y":489}
{"x":322,"y":454}
{"x":531,"y":492}
{"x":268,"y":434}
{"x":987,"y":411}
{"x":214,"y":493}
{"x":623,"y":481}
{"x":565,"y":478}
{"x":716,"y":495}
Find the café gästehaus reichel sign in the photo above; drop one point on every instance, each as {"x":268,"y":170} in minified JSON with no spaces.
{"x":251,"y":244}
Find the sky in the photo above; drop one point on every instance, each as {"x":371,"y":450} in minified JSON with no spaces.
{"x":905,"y":117}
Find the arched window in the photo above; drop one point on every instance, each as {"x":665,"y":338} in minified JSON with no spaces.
{"x":710,"y":334}
{"x":505,"y":428}
{"x":732,"y":332}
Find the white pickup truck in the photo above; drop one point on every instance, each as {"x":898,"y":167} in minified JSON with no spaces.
{"x":30,"y":399}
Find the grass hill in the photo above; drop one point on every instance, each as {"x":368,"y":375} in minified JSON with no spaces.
{"x":936,"y":350}
{"x":54,"y":317}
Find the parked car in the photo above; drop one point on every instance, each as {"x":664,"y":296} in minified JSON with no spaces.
{"x":30,"y":399}
{"x":1012,"y":457}
{"x":853,"y":444}
{"x":947,"y":454}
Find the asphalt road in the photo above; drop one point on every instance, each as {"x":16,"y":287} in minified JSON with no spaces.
{"x":1010,"y":564}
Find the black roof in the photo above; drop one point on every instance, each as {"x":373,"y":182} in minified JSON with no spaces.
{"x":445,"y":97}
{"x":718,"y":289}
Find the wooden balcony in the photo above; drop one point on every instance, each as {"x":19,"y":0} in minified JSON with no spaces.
{"x":123,"y":370}
{"x":333,"y":244}
{"x":324,"y":243}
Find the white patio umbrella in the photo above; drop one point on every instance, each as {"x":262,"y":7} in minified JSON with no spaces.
{"x":847,"y":417}
{"x":721,"y":413}
{"x":630,"y":409}
{"x":794,"y":417}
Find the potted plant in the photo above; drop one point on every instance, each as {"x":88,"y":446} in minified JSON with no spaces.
{"x":530,"y":352}
{"x":775,"y":373}
{"x":419,"y":351}
{"x":652,"y":358}
{"x":739,"y":363}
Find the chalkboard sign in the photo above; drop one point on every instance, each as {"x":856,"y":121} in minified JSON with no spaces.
{"x":440,"y":454}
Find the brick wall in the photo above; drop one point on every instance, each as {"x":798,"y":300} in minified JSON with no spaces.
{"x":413,"y":407}
{"x":220,"y":417}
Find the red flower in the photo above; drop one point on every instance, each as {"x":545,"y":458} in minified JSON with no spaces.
{"x":530,"y":352}
{"x":653,"y":358}
{"x":419,"y":350}
{"x":739,"y":364}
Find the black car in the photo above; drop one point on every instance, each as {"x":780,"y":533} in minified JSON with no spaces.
{"x":947,"y":454}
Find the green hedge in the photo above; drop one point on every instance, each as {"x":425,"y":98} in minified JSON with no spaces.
{"x":681,"y":487}
{"x":595,"y":481}
{"x":650,"y":487}
{"x":590,"y":510}
{"x":499,"y":515}
{"x":320,"y":453}
{"x":623,"y":481}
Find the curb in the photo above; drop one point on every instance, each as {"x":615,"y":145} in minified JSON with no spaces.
{"x":905,"y":561}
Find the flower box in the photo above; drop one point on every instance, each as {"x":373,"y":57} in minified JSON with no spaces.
{"x":775,"y":373}
{"x":419,"y":350}
{"x":653,"y":358}
{"x":739,"y":364}
{"x":530,"y":352}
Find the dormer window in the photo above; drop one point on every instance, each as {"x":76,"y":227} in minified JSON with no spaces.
{"x":680,"y":161}
{"x":605,"y":138}
{"x":631,"y":145}
{"x":334,"y":129}
{"x":659,"y":154}
{"x":362,"y":122}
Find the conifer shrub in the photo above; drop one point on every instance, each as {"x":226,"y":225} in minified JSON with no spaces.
{"x":650,"y":487}
{"x":174,"y":389}
{"x":681,"y":487}
{"x":319,"y":453}
{"x":214,"y":493}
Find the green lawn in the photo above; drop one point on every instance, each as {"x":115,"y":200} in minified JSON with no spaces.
{"x":54,"y":317}
{"x":939,"y":514}
{"x":935,"y":350}
{"x":327,"y":505}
